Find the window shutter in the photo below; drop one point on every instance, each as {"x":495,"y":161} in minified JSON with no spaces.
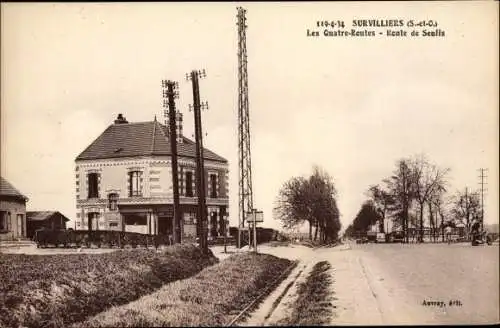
{"x":129,"y":190}
{"x":217,"y":191}
{"x":87,"y":190}
{"x":209,"y":184}
{"x":99,"y":185}
{"x":181,"y":181}
{"x":140,"y":182}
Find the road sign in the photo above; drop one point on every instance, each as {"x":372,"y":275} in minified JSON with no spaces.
{"x":259,"y":217}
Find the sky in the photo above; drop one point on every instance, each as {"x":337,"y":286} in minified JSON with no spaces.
{"x":351,"y":105}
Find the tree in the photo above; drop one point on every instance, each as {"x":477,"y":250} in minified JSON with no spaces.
{"x":367,"y":216}
{"x":438,"y":203}
{"x":291,"y":204}
{"x":466,"y":207}
{"x":401,"y":186}
{"x":323,"y":207}
{"x":427,"y":180}
{"x":382,"y":200}
{"x":311,"y":200}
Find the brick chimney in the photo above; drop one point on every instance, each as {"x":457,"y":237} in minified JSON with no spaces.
{"x":121,"y":119}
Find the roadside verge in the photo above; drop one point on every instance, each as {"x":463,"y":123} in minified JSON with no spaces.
{"x":214,"y":297}
{"x":58,"y":290}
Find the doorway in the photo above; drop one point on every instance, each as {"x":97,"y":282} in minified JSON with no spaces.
{"x":213,"y":223}
{"x":165,"y":226}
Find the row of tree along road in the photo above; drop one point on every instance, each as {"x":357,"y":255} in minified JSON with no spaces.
{"x":311,"y":200}
{"x":415,"y":199}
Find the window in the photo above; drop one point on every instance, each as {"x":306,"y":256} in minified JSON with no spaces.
{"x":4,"y":217}
{"x":213,"y":184}
{"x":134,"y":178}
{"x":136,"y":219}
{"x":113,"y":224}
{"x":93,"y":219}
{"x":189,"y":218}
{"x":113,"y":201}
{"x":20,"y":223}
{"x":93,"y":181}
{"x":189,"y":184}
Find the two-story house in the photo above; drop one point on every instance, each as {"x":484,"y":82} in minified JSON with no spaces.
{"x":124,"y":181}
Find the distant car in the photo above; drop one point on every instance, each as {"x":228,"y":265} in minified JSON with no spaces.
{"x":396,"y":237}
{"x":380,"y":238}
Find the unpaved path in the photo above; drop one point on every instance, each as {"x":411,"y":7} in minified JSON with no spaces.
{"x":387,"y":284}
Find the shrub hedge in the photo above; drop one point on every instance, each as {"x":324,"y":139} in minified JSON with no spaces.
{"x":211,"y":298}
{"x":57,"y":290}
{"x":99,"y":238}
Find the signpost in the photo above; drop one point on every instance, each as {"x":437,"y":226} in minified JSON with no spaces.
{"x":226,"y":222}
{"x":255,"y":217}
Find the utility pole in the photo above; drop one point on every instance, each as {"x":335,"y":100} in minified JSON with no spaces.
{"x":202,"y":222}
{"x":245,"y":197}
{"x":170,"y":92}
{"x":467,"y":214}
{"x":254,"y":230}
{"x":482,"y":182}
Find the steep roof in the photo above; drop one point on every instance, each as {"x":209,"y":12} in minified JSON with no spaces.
{"x":139,"y":139}
{"x":42,"y":215}
{"x":6,"y":189}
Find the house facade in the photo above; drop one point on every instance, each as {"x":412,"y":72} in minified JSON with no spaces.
{"x":123,"y":181}
{"x":12,"y":212}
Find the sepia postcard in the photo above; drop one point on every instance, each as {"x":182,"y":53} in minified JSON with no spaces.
{"x":249,"y":164}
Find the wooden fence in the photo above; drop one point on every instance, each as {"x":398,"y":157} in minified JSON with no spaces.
{"x":100,"y":238}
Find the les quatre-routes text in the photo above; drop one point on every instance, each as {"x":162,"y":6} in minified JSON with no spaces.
{"x":396,"y":28}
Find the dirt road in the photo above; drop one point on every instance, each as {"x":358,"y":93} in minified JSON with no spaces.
{"x":408,"y":284}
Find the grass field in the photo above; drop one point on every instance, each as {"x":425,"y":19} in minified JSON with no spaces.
{"x":211,"y":298}
{"x":57,"y":290}
{"x":313,"y":305}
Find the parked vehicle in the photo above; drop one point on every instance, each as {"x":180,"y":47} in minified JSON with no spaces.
{"x":362,"y":240}
{"x":481,"y":238}
{"x":396,"y":237}
{"x":380,"y":238}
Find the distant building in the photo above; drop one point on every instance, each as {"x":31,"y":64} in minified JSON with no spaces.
{"x":12,"y":212}
{"x":123,"y":181}
{"x":492,"y":228}
{"x":51,"y":220}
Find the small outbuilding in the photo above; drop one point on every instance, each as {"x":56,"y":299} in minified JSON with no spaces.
{"x":12,"y":212}
{"x":51,"y":220}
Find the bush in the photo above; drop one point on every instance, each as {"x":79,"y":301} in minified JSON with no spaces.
{"x":57,"y":290}
{"x":211,"y":298}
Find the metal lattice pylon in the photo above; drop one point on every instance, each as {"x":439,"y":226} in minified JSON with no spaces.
{"x":244,"y":157}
